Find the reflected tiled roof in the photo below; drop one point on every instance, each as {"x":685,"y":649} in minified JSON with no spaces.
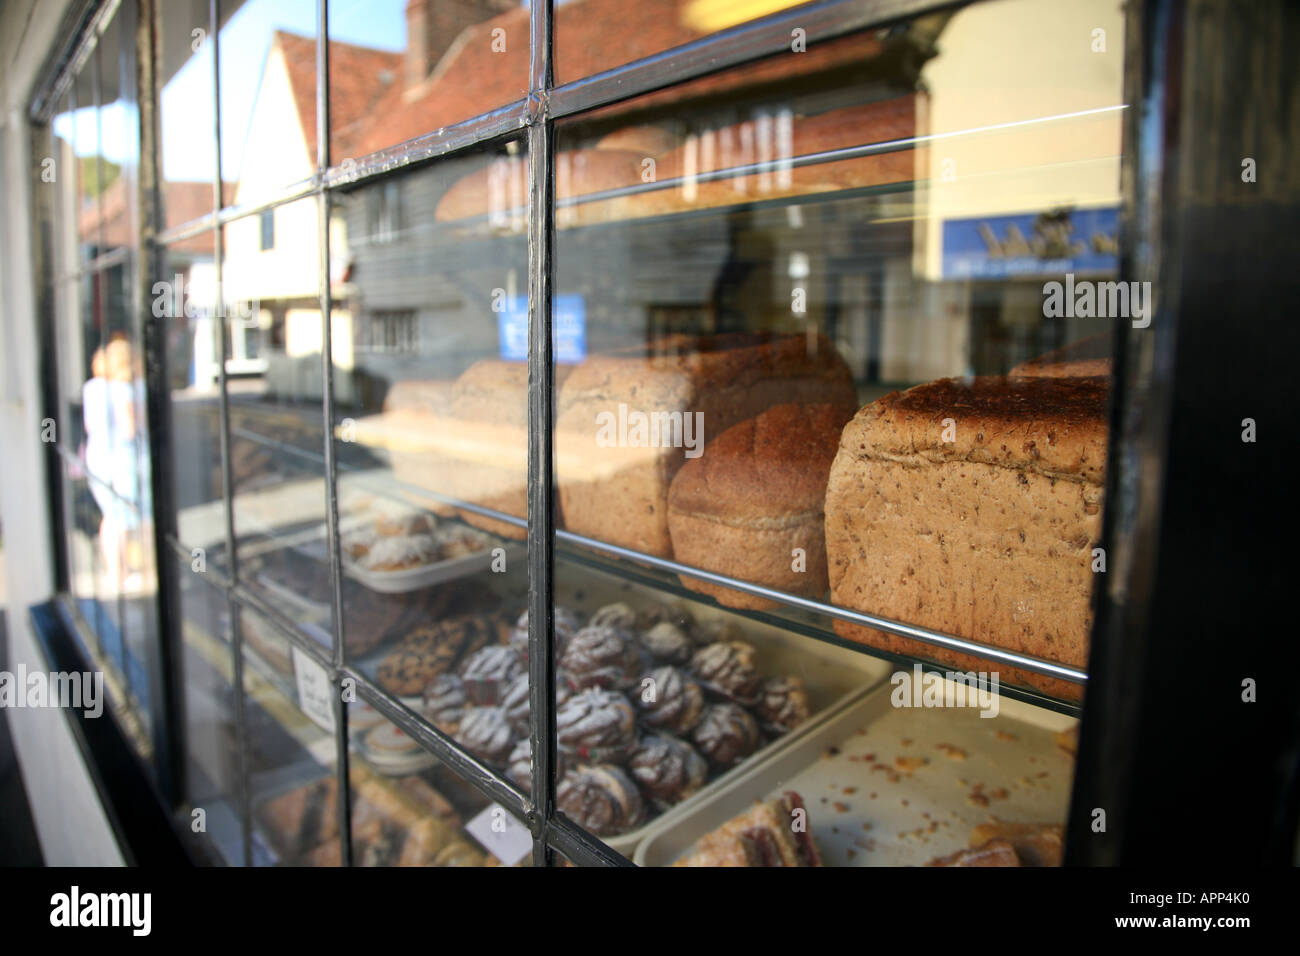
{"x":372,"y":109}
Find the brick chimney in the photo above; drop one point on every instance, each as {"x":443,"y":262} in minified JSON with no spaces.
{"x":433,"y":25}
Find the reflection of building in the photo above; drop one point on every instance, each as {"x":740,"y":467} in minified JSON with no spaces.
{"x":898,"y":319}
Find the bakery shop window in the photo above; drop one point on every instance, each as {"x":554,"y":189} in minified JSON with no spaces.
{"x":399,"y":69}
{"x":820,"y":360}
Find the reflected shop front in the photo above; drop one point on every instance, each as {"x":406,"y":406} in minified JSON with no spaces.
{"x":682,"y":433}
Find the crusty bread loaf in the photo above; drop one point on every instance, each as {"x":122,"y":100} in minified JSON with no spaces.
{"x":1082,"y":359}
{"x":988,"y":534}
{"x":475,"y":449}
{"x":620,"y":494}
{"x":432,"y":395}
{"x":757,"y":494}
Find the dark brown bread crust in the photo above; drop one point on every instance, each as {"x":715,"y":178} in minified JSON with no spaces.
{"x":1054,"y":427}
{"x":770,"y":468}
{"x":1087,"y":357}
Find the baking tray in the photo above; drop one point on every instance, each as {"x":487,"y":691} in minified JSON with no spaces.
{"x":869,"y":812}
{"x":833,"y":675}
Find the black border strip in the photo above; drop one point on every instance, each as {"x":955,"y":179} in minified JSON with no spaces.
{"x":134,"y":809}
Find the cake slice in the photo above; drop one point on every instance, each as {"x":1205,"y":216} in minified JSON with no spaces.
{"x":992,"y":853}
{"x":764,"y":835}
{"x":1036,"y":844}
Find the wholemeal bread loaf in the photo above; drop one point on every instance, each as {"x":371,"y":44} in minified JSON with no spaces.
{"x":472,"y":447}
{"x":489,"y":419}
{"x":613,"y":481}
{"x":755,"y":498}
{"x":972,"y":507}
{"x":1082,"y":359}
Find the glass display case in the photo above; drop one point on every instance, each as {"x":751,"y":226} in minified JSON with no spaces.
{"x":700,"y":446}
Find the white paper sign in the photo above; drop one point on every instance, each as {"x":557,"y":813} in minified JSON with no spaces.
{"x":315,"y":692}
{"x":501,"y":834}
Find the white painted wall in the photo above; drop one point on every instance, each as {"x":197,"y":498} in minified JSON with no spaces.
{"x":70,"y":822}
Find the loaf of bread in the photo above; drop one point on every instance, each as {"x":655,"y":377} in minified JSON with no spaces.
{"x":1085,"y":358}
{"x":756,"y":498}
{"x":474,"y":449}
{"x":616,"y":490}
{"x":971,"y":507}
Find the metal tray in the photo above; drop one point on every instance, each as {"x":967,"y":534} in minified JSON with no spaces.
{"x":832,"y":675}
{"x":867,"y":812}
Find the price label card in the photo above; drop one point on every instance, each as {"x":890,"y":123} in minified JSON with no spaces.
{"x":315,"y":692}
{"x":501,"y":834}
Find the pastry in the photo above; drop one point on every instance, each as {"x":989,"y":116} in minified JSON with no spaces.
{"x":718,"y":629}
{"x":674,"y":703}
{"x":430,"y":650}
{"x":992,"y":853}
{"x":596,"y":726}
{"x":1036,"y":844}
{"x":396,"y":521}
{"x":729,"y":669}
{"x":667,"y":770}
{"x":656,"y":612}
{"x":692,"y":387}
{"x":485,"y":732}
{"x":389,"y":740}
{"x":601,"y":657}
{"x":400,"y":552}
{"x":520,"y":767}
{"x":303,"y":818}
{"x":667,"y":643}
{"x":972,"y":507}
{"x":368,"y":618}
{"x":357,"y":542}
{"x":753,"y":507}
{"x":615,"y":615}
{"x":726,"y":734}
{"x":775,"y":833}
{"x":488,"y":670}
{"x":515,"y":700}
{"x":566,"y":623}
{"x":445,"y":701}
{"x":600,"y":798}
{"x":782,"y":705}
{"x":1068,"y":739}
